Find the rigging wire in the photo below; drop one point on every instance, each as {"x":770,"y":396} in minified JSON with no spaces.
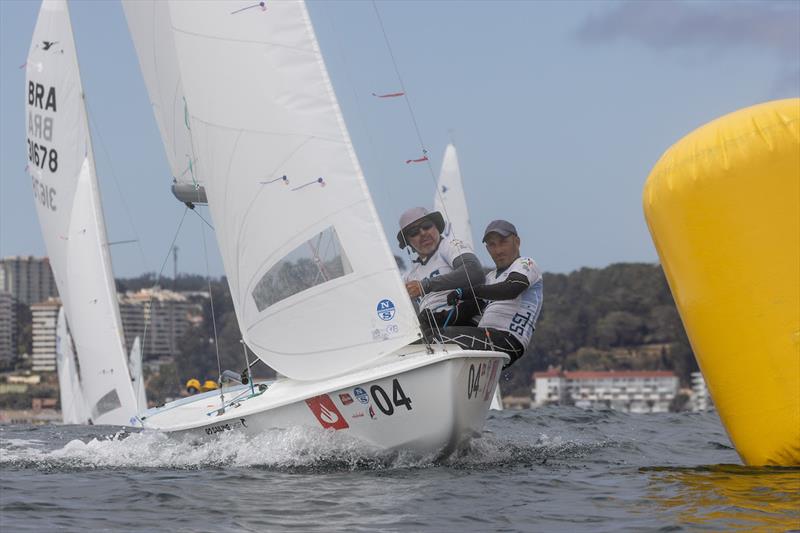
{"x":422,"y":144}
{"x":213,"y":315}
{"x":158,"y":279}
{"x":363,"y":123}
{"x":116,"y":184}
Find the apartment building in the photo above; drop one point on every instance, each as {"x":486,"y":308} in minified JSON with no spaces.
{"x":29,"y":279}
{"x":8,"y":321}
{"x":633,"y":391}
{"x":45,"y":318}
{"x":701,"y":398}
{"x":165,"y":315}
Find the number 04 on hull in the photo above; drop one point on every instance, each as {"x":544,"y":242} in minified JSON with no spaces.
{"x":410,"y":400}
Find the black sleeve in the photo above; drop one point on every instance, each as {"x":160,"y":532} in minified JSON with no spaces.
{"x":509,"y":289}
{"x":467,"y":271}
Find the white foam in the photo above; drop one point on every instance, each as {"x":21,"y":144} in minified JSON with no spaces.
{"x":297,"y":447}
{"x":281,"y":449}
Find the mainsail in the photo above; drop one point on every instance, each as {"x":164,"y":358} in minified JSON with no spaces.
{"x":61,"y":166}
{"x":450,"y":200}
{"x":73,"y":405}
{"x":314,"y":284}
{"x":150,"y":28}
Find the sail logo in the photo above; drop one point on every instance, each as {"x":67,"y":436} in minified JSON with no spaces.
{"x":326,"y":412}
{"x":386,"y":310}
{"x":362,"y":395}
{"x":345,"y":398}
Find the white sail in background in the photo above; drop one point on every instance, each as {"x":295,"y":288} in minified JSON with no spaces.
{"x":314,"y":284}
{"x":73,"y":405}
{"x":61,"y":165}
{"x":149,"y":24}
{"x":450,"y":200}
{"x":137,"y":375}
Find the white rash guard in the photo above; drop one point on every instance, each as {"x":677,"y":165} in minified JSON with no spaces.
{"x":517,"y":316}
{"x":438,"y":264}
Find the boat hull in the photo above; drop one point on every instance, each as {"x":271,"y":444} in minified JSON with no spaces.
{"x":420,"y":402}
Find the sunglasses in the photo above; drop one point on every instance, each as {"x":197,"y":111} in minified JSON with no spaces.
{"x":413,"y":232}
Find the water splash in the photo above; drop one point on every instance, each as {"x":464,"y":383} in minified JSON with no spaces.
{"x":294,"y":449}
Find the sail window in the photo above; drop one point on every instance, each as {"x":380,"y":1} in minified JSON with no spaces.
{"x":316,"y":261}
{"x":108,"y":402}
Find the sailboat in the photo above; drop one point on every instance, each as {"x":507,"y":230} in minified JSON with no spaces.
{"x":67,"y":198}
{"x":451,"y":201}
{"x":73,"y":405}
{"x":248,"y":117}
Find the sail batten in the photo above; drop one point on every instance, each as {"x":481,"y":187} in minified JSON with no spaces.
{"x":315,"y":287}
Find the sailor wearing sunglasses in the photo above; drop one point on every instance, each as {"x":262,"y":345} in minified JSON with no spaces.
{"x":443,"y":263}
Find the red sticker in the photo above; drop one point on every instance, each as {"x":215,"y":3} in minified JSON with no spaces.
{"x":346,"y":398}
{"x":326,"y":412}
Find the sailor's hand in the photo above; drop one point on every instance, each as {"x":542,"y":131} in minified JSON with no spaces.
{"x":414,"y":289}
{"x":454,"y":297}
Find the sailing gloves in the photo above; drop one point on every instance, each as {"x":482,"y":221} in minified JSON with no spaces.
{"x":455,"y":296}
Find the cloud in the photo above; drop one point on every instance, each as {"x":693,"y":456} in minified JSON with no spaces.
{"x":771,"y":25}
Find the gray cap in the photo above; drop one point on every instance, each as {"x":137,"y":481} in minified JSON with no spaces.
{"x":413,"y":215}
{"x":502,"y":227}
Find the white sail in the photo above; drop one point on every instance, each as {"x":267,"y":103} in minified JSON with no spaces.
{"x":137,"y":375}
{"x":73,"y":405}
{"x":149,"y":24}
{"x":450,"y":200}
{"x":314,"y":284}
{"x":61,"y":165}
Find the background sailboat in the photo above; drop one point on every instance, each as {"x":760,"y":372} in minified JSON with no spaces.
{"x":61,"y":166}
{"x":73,"y":404}
{"x":451,"y":201}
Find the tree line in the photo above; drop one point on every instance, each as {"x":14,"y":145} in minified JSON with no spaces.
{"x":621,"y":317}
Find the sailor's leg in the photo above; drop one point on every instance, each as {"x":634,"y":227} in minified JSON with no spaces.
{"x":471,"y":338}
{"x":504,"y":341}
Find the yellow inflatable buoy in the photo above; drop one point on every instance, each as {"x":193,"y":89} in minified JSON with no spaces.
{"x":723,"y":208}
{"x":209,"y":385}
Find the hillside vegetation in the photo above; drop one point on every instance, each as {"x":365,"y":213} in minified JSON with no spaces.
{"x":619,"y":317}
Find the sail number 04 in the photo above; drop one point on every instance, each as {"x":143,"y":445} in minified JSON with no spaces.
{"x":381,"y":398}
{"x":474,"y":380}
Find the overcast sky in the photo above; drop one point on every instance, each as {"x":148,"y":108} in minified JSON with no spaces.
{"x":558,"y":109}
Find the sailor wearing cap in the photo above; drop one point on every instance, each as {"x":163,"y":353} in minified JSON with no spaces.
{"x":443,"y":263}
{"x":513,"y":295}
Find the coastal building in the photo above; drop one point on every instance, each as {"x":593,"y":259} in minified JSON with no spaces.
{"x":633,"y":391}
{"x":28,"y":279}
{"x":701,"y":399}
{"x":8,"y":322}
{"x":45,"y":317}
{"x":159,"y":318}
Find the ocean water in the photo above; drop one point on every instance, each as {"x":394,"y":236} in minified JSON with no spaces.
{"x":550,"y":469}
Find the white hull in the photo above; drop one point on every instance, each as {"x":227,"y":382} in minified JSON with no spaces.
{"x":410,"y":400}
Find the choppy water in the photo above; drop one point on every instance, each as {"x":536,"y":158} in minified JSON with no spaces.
{"x":552,"y":469}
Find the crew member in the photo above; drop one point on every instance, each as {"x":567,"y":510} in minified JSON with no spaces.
{"x":512,"y":293}
{"x":442,"y":264}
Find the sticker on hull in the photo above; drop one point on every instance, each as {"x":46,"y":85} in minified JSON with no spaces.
{"x":326,"y":412}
